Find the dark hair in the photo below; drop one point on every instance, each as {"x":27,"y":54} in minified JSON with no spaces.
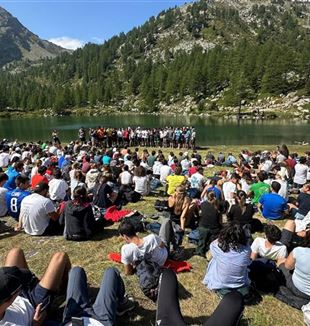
{"x":21,"y":179}
{"x":125,"y":167}
{"x":302,"y":160}
{"x":127,"y":229}
{"x":178,"y":170}
{"x":212,"y":199}
{"x":275,"y":186}
{"x":41,"y":186}
{"x":42,"y":169}
{"x":57,"y":173}
{"x":241,"y":200}
{"x":232,"y":237}
{"x":139,"y":171}
{"x":80,"y":194}
{"x":18,"y":165}
{"x":261,"y":176}
{"x":273,"y":233}
{"x":3,"y":177}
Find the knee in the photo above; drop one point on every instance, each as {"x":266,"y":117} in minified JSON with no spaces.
{"x":16,"y":252}
{"x":76,"y":270}
{"x":60,"y":257}
{"x":111,"y":272}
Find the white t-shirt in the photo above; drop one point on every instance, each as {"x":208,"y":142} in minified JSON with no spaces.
{"x":34,"y":213}
{"x":58,"y":189}
{"x":19,"y":313}
{"x":278,"y":250}
{"x":126,"y":178}
{"x":283,"y":192}
{"x":141,"y":185}
{"x":4,"y":160}
{"x":266,"y":166}
{"x":156,"y":167}
{"x":300,"y":176}
{"x":228,"y":189}
{"x":151,"y":244}
{"x":3,"y":208}
{"x":186,"y":164}
{"x":165,"y":170}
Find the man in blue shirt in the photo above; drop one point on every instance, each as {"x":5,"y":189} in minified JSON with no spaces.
{"x":14,"y":197}
{"x":12,"y":174}
{"x":274,"y":206}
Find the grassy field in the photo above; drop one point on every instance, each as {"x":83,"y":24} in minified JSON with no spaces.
{"x":197,"y":303}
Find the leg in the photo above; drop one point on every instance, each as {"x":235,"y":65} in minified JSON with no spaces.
{"x":228,"y":312}
{"x":112,"y":291}
{"x":16,"y":257}
{"x":77,"y":295}
{"x":56,"y":274}
{"x":204,"y":235}
{"x":168,"y":309}
{"x":166,"y":233}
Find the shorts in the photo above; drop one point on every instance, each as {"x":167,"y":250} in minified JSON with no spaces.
{"x":290,"y":239}
{"x":36,"y":294}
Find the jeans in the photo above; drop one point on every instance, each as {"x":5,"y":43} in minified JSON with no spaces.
{"x":112,"y":291}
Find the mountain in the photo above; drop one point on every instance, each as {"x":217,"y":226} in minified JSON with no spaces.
{"x":201,"y":57}
{"x":18,"y":43}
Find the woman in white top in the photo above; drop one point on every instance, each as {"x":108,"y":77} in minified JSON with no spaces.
{"x":141,"y":181}
{"x":301,"y":170}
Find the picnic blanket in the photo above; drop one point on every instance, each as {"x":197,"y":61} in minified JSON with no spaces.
{"x":176,"y":266}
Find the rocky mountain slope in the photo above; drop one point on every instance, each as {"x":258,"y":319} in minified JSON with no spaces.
{"x":18,"y":43}
{"x":198,"y":58}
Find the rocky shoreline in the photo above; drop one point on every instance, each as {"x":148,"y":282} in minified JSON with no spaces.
{"x":291,"y":106}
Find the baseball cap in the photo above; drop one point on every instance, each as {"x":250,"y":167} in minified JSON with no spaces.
{"x":10,"y":282}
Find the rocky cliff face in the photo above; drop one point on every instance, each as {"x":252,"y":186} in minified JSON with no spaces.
{"x":18,"y":43}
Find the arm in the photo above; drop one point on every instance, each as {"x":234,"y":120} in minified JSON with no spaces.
{"x":290,"y":262}
{"x":171,"y":201}
{"x":253,"y":255}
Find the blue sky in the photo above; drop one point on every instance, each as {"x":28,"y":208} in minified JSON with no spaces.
{"x":71,"y":23}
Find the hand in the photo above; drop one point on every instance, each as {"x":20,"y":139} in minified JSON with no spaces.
{"x":17,"y":228}
{"x":39,"y":316}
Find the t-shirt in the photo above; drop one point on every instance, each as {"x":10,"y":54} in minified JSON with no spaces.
{"x":227,"y":270}
{"x":141,"y":185}
{"x":197,"y":180}
{"x":278,"y":250}
{"x":4,"y":160}
{"x":303,"y":203}
{"x":165,"y":170}
{"x":126,"y":178}
{"x":217,"y":192}
{"x":58,"y":189}
{"x":106,"y":159}
{"x":173,"y":182}
{"x":10,"y":183}
{"x":228,"y":189}
{"x":258,"y":189}
{"x":19,"y":313}
{"x":151,"y":245}
{"x":37,"y":178}
{"x":300,"y":176}
{"x":3,"y":209}
{"x":301,"y":275}
{"x":235,"y":214}
{"x":101,"y":195}
{"x":273,"y":206}
{"x":34,"y":213}
{"x":14,"y":199}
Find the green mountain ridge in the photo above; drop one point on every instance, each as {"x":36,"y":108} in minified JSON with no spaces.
{"x":17,"y":43}
{"x":224,"y":50}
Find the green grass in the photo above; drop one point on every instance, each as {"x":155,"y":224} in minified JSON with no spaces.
{"x":197,"y":303}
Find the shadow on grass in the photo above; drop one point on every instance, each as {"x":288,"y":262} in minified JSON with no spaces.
{"x":104,"y":234}
{"x":8,"y":235}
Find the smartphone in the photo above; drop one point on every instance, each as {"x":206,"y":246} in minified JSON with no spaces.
{"x":76,"y":321}
{"x":45,"y":303}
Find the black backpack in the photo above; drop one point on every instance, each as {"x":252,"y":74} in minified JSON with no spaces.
{"x":161,"y":205}
{"x":149,"y":273}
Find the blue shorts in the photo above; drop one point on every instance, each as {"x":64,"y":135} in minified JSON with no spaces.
{"x":36,"y":294}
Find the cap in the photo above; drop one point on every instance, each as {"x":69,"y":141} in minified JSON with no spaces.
{"x":10,"y":282}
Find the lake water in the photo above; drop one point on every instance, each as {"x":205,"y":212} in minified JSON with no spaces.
{"x":209,"y":131}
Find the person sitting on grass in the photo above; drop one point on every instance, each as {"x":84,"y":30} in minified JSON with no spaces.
{"x":302,"y":206}
{"x":38,"y":215}
{"x":175,"y":180}
{"x":273,"y":205}
{"x":269,"y":247}
{"x":243,"y":212}
{"x":259,"y":188}
{"x":15,"y":197}
{"x":23,"y":297}
{"x":136,"y":248}
{"x":111,"y":300}
{"x":3,"y":191}
{"x":78,"y":217}
{"x":228,"y":269}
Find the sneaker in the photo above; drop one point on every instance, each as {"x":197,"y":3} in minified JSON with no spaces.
{"x":127,"y":305}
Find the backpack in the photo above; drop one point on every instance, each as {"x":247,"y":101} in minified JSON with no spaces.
{"x":161,"y":205}
{"x":136,"y":220}
{"x":266,"y":276}
{"x":149,"y":273}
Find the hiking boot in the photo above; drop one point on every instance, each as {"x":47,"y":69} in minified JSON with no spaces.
{"x":127,"y":305}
